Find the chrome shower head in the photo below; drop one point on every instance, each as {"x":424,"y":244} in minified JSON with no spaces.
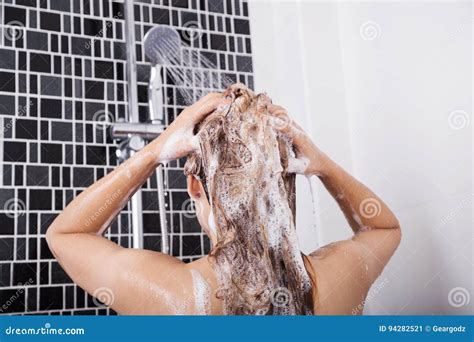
{"x":162,"y":45}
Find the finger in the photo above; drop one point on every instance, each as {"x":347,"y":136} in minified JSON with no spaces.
{"x":284,"y":123}
{"x":281,"y":112}
{"x":277,"y":110}
{"x":206,"y":105}
{"x":281,"y":124}
{"x":280,"y":118}
{"x":286,"y":126}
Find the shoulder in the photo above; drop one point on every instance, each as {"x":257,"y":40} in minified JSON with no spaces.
{"x":152,"y":283}
{"x":205,"y":285}
{"x":342,"y":275}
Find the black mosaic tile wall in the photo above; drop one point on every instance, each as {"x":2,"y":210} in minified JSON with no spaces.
{"x":217,"y":30}
{"x":62,"y":71}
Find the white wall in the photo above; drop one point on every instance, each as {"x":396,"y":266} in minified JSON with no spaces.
{"x":385,"y":89}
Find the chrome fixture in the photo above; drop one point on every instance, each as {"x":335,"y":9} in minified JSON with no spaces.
{"x":128,"y":147}
{"x":133,"y":135}
{"x":161,"y":44}
{"x":136,"y":200}
{"x":123,"y":130}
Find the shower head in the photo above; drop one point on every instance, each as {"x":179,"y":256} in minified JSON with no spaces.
{"x":162,"y":45}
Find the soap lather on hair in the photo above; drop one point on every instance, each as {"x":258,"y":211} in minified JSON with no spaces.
{"x":242,"y":162}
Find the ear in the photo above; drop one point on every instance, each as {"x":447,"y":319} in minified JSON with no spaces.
{"x":195,"y":189}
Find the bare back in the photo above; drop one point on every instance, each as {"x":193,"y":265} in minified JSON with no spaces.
{"x":342,"y":274}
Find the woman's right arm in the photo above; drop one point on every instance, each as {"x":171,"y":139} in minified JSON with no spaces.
{"x":135,"y":279}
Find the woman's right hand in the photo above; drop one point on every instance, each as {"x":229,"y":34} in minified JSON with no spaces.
{"x":309,"y":158}
{"x":178,"y":140}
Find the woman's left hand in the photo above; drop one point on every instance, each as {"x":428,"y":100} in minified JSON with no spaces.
{"x":309,"y":158}
{"x":178,"y":140}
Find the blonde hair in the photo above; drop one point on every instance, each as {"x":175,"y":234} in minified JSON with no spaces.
{"x":242,"y":163}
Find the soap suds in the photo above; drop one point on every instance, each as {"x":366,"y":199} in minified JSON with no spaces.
{"x":317,"y":231}
{"x":175,"y":142}
{"x":244,"y":163}
{"x":298,"y":165}
{"x":177,"y":305}
{"x":357,"y":218}
{"x":212,"y":223}
{"x":202,"y":291}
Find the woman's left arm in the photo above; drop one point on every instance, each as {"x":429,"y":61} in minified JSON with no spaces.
{"x":76,"y":236}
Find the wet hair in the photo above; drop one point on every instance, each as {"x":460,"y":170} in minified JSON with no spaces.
{"x":242,"y":164}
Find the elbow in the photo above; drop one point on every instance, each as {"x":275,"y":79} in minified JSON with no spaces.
{"x":55,"y":230}
{"x":395,"y":238}
{"x":50,"y":236}
{"x":51,"y":233}
{"x":392,"y":235}
{"x":398,"y":235}
{"x":397,"y":232}
{"x":52,"y":240}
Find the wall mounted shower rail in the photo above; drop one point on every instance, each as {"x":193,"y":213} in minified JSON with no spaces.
{"x":123,"y":130}
{"x":134,"y":133}
{"x":132,"y":137}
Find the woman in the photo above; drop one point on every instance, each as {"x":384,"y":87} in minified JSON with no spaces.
{"x":240,"y":168}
